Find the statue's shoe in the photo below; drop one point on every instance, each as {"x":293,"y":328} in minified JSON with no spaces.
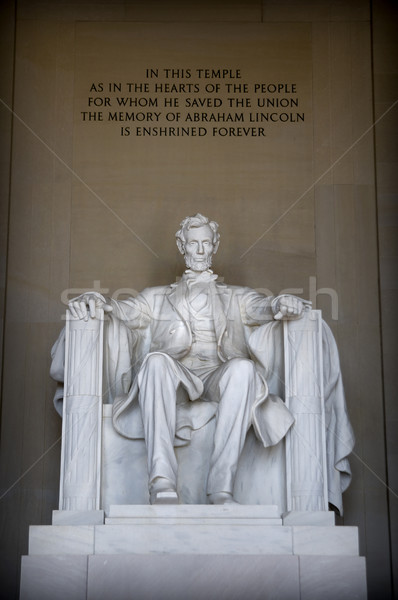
{"x":221,"y":498}
{"x":164,"y":497}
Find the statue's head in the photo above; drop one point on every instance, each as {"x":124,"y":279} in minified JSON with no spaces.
{"x":198,"y":239}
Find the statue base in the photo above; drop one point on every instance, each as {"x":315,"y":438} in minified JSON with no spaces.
{"x":197,"y":551}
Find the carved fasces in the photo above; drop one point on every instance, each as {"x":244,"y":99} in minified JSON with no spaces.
{"x":305,"y":443}
{"x":82,"y":414}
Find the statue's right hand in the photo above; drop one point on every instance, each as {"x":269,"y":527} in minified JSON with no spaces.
{"x":85,"y":306}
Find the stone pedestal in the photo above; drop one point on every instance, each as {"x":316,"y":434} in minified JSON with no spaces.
{"x":193,"y":551}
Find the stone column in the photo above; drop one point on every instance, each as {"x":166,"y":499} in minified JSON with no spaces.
{"x":306,"y":474}
{"x":82,"y":414}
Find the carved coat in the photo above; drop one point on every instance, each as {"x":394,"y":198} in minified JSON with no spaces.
{"x":158,"y":319}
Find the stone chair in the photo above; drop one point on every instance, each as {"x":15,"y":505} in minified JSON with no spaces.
{"x":100,"y":468}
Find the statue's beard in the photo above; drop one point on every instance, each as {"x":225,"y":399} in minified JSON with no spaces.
{"x":194,"y":265}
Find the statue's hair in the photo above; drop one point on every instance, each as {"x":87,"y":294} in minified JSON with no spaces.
{"x":197,"y":221}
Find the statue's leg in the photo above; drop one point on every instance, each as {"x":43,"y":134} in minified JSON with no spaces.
{"x":234,"y":385}
{"x":158,"y":383}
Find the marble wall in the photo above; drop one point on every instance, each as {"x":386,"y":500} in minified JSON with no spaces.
{"x":75,"y":185}
{"x":385,"y":51}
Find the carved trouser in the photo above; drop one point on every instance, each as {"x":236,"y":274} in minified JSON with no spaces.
{"x":233,"y":385}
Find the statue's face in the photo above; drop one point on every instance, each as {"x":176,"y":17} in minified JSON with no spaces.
{"x":199,"y":248}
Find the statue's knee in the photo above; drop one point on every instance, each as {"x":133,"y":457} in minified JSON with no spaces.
{"x":155,"y":361}
{"x":241,"y":369}
{"x":158,"y":371}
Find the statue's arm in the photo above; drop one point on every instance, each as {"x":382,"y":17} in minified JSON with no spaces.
{"x":287,"y":306}
{"x":260,"y":309}
{"x":135,"y":312}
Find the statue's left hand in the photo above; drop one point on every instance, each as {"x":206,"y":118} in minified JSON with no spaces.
{"x":85,"y":306}
{"x":289,"y":307}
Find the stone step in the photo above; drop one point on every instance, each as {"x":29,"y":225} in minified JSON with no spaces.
{"x":203,"y":577}
{"x":241,"y":514}
{"x":245,"y":511}
{"x":191,"y":514}
{"x":78,"y":517}
{"x":199,"y":538}
{"x":321,"y":518}
{"x":187,"y":521}
{"x":187,"y":538}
